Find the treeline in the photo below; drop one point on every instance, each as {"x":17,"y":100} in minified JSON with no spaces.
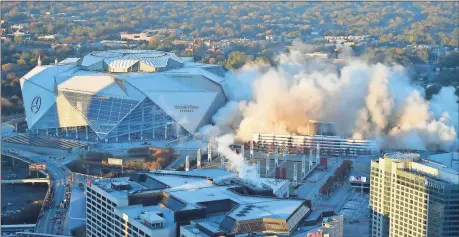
{"x":337,"y":178}
{"x":429,"y":23}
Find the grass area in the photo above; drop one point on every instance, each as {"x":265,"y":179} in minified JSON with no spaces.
{"x":141,"y":158}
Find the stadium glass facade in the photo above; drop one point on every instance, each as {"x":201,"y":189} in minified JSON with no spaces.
{"x":109,"y":119}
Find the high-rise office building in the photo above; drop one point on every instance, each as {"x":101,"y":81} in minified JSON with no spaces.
{"x":413,"y":197}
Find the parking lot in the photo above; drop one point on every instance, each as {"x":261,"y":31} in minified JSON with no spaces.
{"x":356,"y":207}
{"x":16,"y":196}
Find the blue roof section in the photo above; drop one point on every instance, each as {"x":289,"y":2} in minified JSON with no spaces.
{"x":77,"y":209}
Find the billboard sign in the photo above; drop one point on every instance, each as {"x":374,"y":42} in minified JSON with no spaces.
{"x":115,"y":161}
{"x":358,"y":179}
{"x":37,"y":167}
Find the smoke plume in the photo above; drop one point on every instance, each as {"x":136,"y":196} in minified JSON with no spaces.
{"x":366,"y":101}
{"x":236,"y":161}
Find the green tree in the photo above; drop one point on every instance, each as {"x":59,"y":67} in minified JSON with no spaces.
{"x":423,"y":54}
{"x":18,"y":39}
{"x":235,"y":60}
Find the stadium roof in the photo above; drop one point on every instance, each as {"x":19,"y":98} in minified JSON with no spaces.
{"x":119,"y":60}
{"x":133,"y":75}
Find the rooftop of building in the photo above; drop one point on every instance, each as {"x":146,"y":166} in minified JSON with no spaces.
{"x":176,"y":182}
{"x":147,"y":215}
{"x":274,"y":184}
{"x":430,"y":168}
{"x":116,"y":61}
{"x":195,"y":190}
{"x":215,"y":174}
{"x":77,"y":209}
{"x":449,"y":159}
{"x":192,"y":228}
{"x":276,"y":209}
{"x":119,"y":188}
{"x":438,"y":171}
{"x":402,"y":156}
{"x":194,"y":187}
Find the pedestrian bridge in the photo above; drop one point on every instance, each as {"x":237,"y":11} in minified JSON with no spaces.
{"x":18,"y":181}
{"x":17,"y":228}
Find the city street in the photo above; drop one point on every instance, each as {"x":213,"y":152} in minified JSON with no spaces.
{"x":50,"y":222}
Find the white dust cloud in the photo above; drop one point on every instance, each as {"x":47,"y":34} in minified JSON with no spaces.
{"x":366,"y":101}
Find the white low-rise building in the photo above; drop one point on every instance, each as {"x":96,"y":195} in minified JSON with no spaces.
{"x":280,"y":187}
{"x":212,"y":200}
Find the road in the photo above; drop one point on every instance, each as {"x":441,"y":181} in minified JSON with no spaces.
{"x":45,"y":224}
{"x":18,"y":181}
{"x":58,"y":180}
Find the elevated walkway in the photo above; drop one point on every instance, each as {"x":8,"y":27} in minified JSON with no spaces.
{"x":31,"y":234}
{"x":18,"y":181}
{"x":17,"y":228}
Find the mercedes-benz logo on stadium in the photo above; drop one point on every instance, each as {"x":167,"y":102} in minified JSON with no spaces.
{"x":36,"y":104}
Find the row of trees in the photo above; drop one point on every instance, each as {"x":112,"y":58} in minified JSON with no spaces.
{"x":155,"y":158}
{"x":338,"y":177}
{"x":409,"y":22}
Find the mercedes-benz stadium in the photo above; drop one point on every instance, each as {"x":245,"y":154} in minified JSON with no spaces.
{"x":122,"y":95}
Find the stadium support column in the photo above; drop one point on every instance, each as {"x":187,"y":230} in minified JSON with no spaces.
{"x":276,"y":156}
{"x":198,"y":159}
{"x":66,"y":131}
{"x":303,"y":166}
{"x":209,"y":152}
{"x":129,"y":129}
{"x":165,"y":131}
{"x":243,"y":150}
{"x":57,"y":130}
{"x":251,"y":149}
{"x":258,"y":168}
{"x":284,"y":153}
{"x":141,"y":126}
{"x":76,"y":132}
{"x":187,"y":163}
{"x":267,"y":164}
{"x":318,"y":154}
{"x":222,"y":162}
{"x":87,"y":136}
{"x":310,"y":159}
{"x":295,"y":174}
